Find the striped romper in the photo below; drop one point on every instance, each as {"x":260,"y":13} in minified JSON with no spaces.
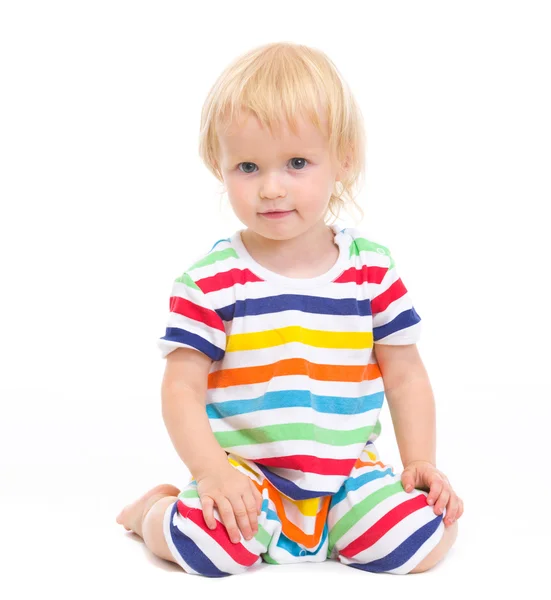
{"x":294,"y":396}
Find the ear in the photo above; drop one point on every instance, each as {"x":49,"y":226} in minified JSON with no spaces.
{"x":344,"y":166}
{"x":343,"y":169}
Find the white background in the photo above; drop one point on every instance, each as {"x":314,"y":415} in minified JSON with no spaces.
{"x":104,"y":202}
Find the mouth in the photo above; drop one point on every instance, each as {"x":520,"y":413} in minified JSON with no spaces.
{"x":277,"y":214}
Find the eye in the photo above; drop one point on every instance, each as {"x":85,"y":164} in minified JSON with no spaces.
{"x":300,"y":159}
{"x":249,"y":167}
{"x":247,"y":164}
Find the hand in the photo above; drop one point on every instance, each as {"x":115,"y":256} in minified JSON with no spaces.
{"x":236,"y":498}
{"x":424,"y":475}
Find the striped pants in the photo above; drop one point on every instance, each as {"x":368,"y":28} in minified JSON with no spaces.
{"x":371,"y":523}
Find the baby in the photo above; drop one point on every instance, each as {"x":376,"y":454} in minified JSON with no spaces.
{"x":281,"y":344}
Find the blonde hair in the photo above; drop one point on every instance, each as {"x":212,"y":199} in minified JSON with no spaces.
{"x":276,"y":82}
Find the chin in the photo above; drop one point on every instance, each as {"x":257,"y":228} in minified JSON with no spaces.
{"x":271,"y":235}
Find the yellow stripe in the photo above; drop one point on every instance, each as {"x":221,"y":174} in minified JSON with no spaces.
{"x":309,"y":507}
{"x":356,"y":340}
{"x":238,"y":464}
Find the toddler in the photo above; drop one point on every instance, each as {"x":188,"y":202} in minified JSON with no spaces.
{"x":281,"y":344}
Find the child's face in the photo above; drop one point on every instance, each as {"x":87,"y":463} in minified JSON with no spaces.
{"x":283,"y":173}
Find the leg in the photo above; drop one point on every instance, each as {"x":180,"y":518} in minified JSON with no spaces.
{"x":145,"y":518}
{"x":374,"y":525}
{"x":438,"y":553}
{"x":171,"y":524}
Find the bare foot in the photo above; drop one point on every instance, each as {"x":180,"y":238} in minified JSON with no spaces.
{"x":131,"y":516}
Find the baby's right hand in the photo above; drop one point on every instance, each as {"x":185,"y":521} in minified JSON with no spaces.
{"x":235,"y":496}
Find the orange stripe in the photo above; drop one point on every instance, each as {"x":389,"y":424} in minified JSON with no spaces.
{"x":361,"y":463}
{"x":290,"y":529}
{"x":292,"y":366}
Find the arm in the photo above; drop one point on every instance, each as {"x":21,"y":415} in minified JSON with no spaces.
{"x":183,"y":394}
{"x":184,"y":391}
{"x":410,"y":400}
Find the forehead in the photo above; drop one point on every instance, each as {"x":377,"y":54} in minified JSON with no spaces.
{"x":247,"y":133}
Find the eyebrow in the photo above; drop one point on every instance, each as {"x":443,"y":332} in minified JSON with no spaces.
{"x":303,"y":152}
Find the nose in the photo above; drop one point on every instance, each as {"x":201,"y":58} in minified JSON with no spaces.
{"x":272,"y":186}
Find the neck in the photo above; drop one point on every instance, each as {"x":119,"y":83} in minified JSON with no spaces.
{"x":313,"y":247}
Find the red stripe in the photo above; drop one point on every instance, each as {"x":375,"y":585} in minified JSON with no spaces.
{"x":193,"y":311}
{"x":364,"y":275}
{"x":310,"y":464}
{"x":382,"y":301}
{"x":383,"y":525}
{"x":219,"y":534}
{"x":221,"y":281}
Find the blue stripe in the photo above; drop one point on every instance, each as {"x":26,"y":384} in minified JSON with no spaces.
{"x":295,"y":550}
{"x":403,"y":320}
{"x":355,"y":483}
{"x":223,"y":240}
{"x":191,"y":553}
{"x":175,"y":334}
{"x":307,"y":304}
{"x":288,"y":487}
{"x":404,"y":552}
{"x":271,"y":515}
{"x":296,"y":398}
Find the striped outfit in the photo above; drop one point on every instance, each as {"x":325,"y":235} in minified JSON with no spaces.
{"x":294,"y":396}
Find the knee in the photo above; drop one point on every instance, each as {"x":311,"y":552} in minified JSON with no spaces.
{"x":439,"y":551}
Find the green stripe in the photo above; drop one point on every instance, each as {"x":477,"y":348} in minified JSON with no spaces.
{"x":262,"y":536}
{"x":214,"y":257}
{"x":267,"y":558}
{"x":364,"y":245}
{"x":293,"y":431}
{"x":359,"y":510}
{"x":187,"y":280}
{"x":188,"y":494}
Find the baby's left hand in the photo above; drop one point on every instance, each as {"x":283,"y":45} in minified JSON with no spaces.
{"x":425,"y":476}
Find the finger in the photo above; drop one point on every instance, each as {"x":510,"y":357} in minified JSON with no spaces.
{"x":207,"y":504}
{"x":228,"y":518}
{"x":408,"y":480}
{"x":259,"y":500}
{"x":436,"y":486}
{"x":458,"y":514}
{"x":251,"y":507}
{"x":452,"y":509}
{"x":442,"y":501}
{"x":242,"y":517}
{"x":460,"y":510}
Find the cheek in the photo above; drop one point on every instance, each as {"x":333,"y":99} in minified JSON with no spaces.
{"x":315,"y":192}
{"x":240,"y":196}
{"x":236,"y":189}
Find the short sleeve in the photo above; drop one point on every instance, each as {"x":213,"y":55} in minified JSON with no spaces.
{"x":192,"y":322}
{"x":395,"y":320}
